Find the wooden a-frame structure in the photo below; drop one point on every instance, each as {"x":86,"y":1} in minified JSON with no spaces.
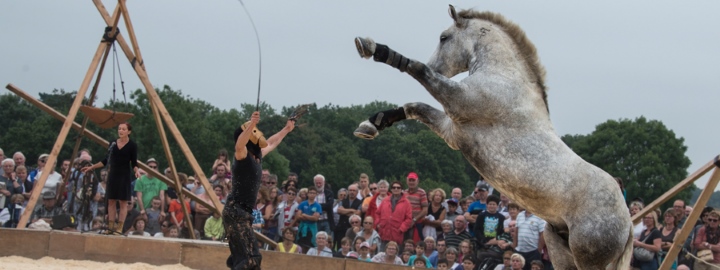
{"x":160,"y":113}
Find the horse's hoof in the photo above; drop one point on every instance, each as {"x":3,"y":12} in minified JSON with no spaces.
{"x":366,"y":130}
{"x":365,"y":47}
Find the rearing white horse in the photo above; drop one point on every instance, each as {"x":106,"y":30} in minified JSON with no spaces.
{"x":498,"y":118}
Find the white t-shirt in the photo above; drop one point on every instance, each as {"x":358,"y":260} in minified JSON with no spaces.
{"x":51,"y":183}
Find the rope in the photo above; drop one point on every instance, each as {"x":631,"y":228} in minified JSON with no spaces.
{"x":257,"y":37}
{"x":699,"y":260}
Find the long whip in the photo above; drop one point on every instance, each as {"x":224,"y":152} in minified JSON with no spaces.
{"x":257,"y":37}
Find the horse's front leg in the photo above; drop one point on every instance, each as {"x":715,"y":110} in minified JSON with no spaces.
{"x":440,"y":87}
{"x":435,"y":119}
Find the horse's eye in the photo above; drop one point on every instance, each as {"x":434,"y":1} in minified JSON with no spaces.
{"x":443,"y":38}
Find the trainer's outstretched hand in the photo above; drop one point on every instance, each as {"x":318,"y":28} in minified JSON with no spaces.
{"x":290,"y":125}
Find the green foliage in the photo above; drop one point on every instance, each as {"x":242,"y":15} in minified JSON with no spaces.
{"x":321,"y":144}
{"x":645,"y":154}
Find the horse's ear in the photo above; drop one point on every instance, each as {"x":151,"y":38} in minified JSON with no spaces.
{"x":453,"y":14}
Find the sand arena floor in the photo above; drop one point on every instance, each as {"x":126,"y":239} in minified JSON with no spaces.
{"x":48,"y":263}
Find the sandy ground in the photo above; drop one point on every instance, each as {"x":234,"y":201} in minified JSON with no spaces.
{"x":48,"y":263}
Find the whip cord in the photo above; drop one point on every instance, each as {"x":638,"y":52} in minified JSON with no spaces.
{"x":257,"y":37}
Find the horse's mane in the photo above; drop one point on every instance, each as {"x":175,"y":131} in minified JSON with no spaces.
{"x":527,"y":49}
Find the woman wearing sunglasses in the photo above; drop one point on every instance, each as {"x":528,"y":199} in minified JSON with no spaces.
{"x":394,"y":216}
{"x":708,"y":237}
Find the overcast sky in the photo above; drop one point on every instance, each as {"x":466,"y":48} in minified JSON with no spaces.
{"x":604,"y":59}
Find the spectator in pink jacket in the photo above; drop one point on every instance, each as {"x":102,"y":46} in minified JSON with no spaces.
{"x":394,"y":216}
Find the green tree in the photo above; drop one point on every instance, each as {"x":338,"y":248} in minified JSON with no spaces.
{"x":645,"y":154}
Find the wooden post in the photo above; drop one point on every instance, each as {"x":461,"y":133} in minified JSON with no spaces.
{"x":50,"y":163}
{"x":131,"y":34}
{"x":171,"y":162}
{"x":152,"y":94}
{"x":78,"y":140}
{"x":689,"y":225}
{"x":99,"y":140}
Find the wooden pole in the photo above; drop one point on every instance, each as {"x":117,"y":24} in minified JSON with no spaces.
{"x":78,"y":140}
{"x":171,"y":162}
{"x":674,"y":191}
{"x":50,"y":163}
{"x":152,"y":94}
{"x":131,"y":34}
{"x":99,"y":140}
{"x":689,"y":225}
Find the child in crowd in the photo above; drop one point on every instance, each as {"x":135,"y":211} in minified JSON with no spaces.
{"x":176,"y":211}
{"x":420,"y":262}
{"x":214,"y":229}
{"x":405,"y":257}
{"x":97,"y":224}
{"x":468,"y":263}
{"x":442,"y":264}
{"x":537,"y":265}
{"x":419,"y":253}
{"x":364,"y":252}
{"x":153,"y":215}
{"x":173,"y":232}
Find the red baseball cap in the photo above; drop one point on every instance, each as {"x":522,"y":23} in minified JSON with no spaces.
{"x":412,"y":175}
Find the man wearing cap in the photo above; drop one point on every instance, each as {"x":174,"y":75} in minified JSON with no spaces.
{"x":457,"y":195}
{"x":148,"y":187}
{"x":452,"y":212}
{"x":419,"y":203}
{"x":48,"y":210}
{"x":480,"y":194}
{"x":40,"y":165}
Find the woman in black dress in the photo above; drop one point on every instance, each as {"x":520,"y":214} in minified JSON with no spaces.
{"x":122,"y":162}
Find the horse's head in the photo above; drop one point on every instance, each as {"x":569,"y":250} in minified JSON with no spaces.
{"x":477,"y":38}
{"x":458,"y":45}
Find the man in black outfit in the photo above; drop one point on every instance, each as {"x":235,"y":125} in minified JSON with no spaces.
{"x":348,"y":207}
{"x":250,"y":147}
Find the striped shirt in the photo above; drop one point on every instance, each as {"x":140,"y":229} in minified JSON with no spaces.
{"x":418,"y":200}
{"x":529,"y":229}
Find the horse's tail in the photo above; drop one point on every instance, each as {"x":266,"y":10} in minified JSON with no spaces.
{"x":623,"y":262}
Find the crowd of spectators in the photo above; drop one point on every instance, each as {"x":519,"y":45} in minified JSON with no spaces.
{"x":381,"y":222}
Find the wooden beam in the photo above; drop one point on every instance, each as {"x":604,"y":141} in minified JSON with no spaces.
{"x":689,"y":225}
{"x":131,"y":33}
{"x":91,"y":99}
{"x":163,"y":111}
{"x":99,"y":140}
{"x":50,"y":163}
{"x":171,"y":162}
{"x":674,"y":191}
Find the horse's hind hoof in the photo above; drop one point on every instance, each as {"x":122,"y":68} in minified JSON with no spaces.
{"x":366,"y":130}
{"x":365,"y":47}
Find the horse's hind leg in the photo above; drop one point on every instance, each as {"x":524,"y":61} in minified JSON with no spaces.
{"x":559,"y":249}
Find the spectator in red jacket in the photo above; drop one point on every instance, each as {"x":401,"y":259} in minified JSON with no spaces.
{"x":382,"y":193}
{"x":394,"y":216}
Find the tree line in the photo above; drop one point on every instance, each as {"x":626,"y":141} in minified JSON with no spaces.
{"x":648,"y":156}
